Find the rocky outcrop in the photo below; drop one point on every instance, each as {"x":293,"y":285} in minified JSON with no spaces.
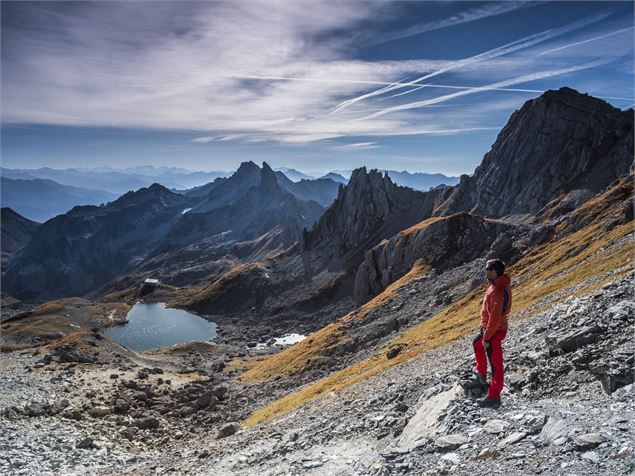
{"x":441,"y":243}
{"x":370,"y":208}
{"x":557,"y":143}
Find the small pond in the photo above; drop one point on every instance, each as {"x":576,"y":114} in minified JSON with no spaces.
{"x":152,"y":326}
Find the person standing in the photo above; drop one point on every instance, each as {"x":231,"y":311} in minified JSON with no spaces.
{"x":487,"y":344}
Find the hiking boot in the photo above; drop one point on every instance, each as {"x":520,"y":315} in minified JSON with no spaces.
{"x":489,"y":402}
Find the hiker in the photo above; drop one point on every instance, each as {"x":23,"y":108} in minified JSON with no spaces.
{"x":497,"y":303}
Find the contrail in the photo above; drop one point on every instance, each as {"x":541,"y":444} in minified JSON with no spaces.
{"x":466,"y":16}
{"x":509,"y":82}
{"x":499,"y":51}
{"x":419,"y":85}
{"x":586,"y":41}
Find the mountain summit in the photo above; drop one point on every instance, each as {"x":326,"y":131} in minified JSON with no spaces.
{"x":558,"y":142}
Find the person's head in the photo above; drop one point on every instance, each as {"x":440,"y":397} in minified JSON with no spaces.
{"x":494,"y":268}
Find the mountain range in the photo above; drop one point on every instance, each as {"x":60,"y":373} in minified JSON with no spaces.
{"x":41,"y":199}
{"x":260,"y":216}
{"x":40,"y":194}
{"x":251,"y":213}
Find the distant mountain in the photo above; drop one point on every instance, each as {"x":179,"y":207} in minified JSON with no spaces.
{"x":293,"y":174}
{"x":16,"y":233}
{"x":335,"y":177}
{"x":322,"y":190}
{"x":224,"y":190}
{"x":181,"y":238}
{"x":420,"y":180}
{"x":245,"y":206}
{"x":118,"y":181}
{"x":73,"y":253}
{"x":40,"y":200}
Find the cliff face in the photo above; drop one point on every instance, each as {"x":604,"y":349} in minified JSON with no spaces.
{"x":370,"y":208}
{"x":554,"y":144}
{"x":442,"y":243}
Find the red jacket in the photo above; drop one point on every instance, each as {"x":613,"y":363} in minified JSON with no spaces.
{"x":496,"y":306}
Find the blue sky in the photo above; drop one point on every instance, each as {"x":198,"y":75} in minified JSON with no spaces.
{"x":420,"y":86}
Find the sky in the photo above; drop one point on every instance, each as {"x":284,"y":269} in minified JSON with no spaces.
{"x":316,"y":86}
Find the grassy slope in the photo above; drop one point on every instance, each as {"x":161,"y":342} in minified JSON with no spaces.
{"x":64,"y":316}
{"x":548,"y":271}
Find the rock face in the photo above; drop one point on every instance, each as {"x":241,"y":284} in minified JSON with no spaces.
{"x":370,"y":208}
{"x":554,"y":144}
{"x":440,"y":242}
{"x":16,"y":233}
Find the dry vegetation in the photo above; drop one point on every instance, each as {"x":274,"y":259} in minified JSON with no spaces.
{"x":56,"y":319}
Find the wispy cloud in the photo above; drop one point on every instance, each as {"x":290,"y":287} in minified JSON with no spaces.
{"x":357,"y":146}
{"x":466,"y":16}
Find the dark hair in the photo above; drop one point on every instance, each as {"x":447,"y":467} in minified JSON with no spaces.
{"x":496,"y":264}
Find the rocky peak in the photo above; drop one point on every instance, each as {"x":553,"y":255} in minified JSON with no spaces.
{"x":155,"y":191}
{"x":246,"y":170}
{"x":268,"y":180}
{"x":558,"y":142}
{"x":370,"y":208}
{"x":157,"y":187}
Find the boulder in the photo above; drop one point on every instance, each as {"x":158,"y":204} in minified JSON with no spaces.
{"x":228,"y":429}
{"x":554,"y":431}
{"x":147,"y":423}
{"x":450,"y":442}
{"x":573,"y":340}
{"x":588,"y":441}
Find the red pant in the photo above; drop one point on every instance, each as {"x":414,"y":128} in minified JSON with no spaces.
{"x":495,"y":356}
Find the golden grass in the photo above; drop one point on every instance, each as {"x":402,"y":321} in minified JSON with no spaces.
{"x":115,"y":296}
{"x":420,"y":226}
{"x":54,"y":307}
{"x":550,"y":270}
{"x":41,"y":327}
